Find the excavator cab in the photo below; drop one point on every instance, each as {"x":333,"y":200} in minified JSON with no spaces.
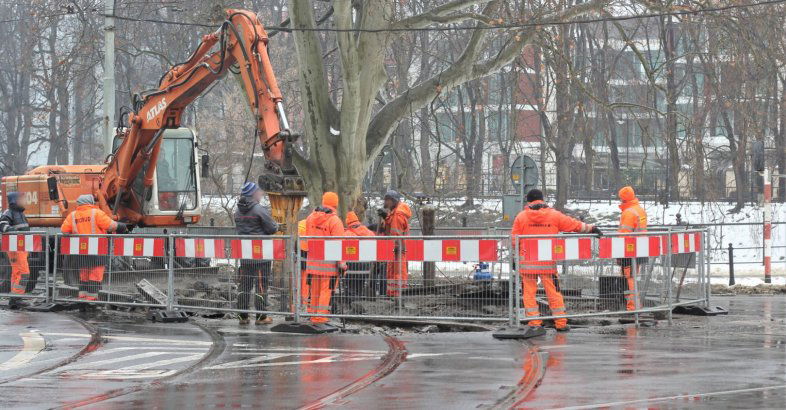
{"x":175,"y":197}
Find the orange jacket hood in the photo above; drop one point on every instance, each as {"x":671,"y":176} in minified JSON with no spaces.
{"x":404,"y":209}
{"x":627,"y":204}
{"x":537,"y":211}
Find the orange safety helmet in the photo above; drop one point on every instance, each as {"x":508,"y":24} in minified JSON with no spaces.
{"x":352,"y":218}
{"x":626,"y":194}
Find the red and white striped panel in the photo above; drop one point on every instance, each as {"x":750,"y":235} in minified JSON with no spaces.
{"x":629,"y":247}
{"x":138,"y":247}
{"x":684,"y":242}
{"x":448,"y":250}
{"x":84,"y":245}
{"x":200,"y":248}
{"x":26,"y":243}
{"x":542,"y":250}
{"x":266,"y":249}
{"x":363,"y":250}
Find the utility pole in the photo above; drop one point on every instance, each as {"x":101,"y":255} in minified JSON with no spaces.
{"x":109,"y":75}
{"x":767,"y":226}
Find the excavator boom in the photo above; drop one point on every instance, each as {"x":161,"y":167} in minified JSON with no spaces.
{"x":122,"y":187}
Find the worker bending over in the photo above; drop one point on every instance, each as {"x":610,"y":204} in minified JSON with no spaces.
{"x":13,"y":220}
{"x":87,"y":219}
{"x":321,"y":275}
{"x":396,"y":216}
{"x":251,"y":218}
{"x":538,"y":219}
{"x":632,"y":219}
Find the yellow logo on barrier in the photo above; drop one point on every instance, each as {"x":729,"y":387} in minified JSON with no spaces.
{"x":451,"y":250}
{"x":20,"y":243}
{"x":200,"y":247}
{"x":138,"y":247}
{"x":631,"y":247}
{"x":351,"y":250}
{"x":82,"y":246}
{"x":559,"y":249}
{"x":257,"y":249}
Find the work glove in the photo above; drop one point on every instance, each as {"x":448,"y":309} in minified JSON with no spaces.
{"x":121,"y":228}
{"x":595,"y":230}
{"x":382,"y":212}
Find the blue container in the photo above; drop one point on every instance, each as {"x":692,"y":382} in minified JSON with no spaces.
{"x":482,"y":272}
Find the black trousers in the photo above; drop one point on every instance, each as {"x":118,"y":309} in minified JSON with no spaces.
{"x":252,"y":282}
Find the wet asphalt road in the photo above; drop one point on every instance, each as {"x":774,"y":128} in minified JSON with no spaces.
{"x":114,"y":361}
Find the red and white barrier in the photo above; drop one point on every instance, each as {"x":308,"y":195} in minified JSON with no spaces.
{"x":684,"y":242}
{"x":84,"y":245}
{"x":543,"y":250}
{"x":449,"y":250}
{"x":361,"y":250}
{"x":264,"y":249}
{"x":199,"y":248}
{"x":151,"y":247}
{"x":25,"y":243}
{"x":629,"y":247}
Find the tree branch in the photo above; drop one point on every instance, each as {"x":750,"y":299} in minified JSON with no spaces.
{"x":442,"y":14}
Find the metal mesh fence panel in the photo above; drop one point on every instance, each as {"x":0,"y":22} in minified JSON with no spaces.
{"x":247,"y":275}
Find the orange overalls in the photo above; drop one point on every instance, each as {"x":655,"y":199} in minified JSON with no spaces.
{"x":86,"y":220}
{"x":538,"y":219}
{"x":633,"y":219}
{"x":397,"y":224}
{"x":321,"y":274}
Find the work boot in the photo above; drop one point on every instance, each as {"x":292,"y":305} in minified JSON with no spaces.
{"x":243,"y":320}
{"x":263,"y":320}
{"x":565,"y":328}
{"x":15,"y":304}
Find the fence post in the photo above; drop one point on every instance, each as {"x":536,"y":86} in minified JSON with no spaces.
{"x":634,"y":274}
{"x":705,"y":267}
{"x":511,"y":289}
{"x":170,"y":282}
{"x":669,"y":278}
{"x":109,"y":266}
{"x":298,"y":279}
{"x":46,"y":267}
{"x":516,"y":284}
{"x":54,"y":267}
{"x":731,"y":265}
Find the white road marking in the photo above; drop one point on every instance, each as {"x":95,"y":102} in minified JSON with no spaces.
{"x":33,"y":344}
{"x":167,"y":348}
{"x":165,"y":362}
{"x":309,"y":349}
{"x":675,"y":397}
{"x":257,"y":359}
{"x":115,"y":360}
{"x":138,"y":339}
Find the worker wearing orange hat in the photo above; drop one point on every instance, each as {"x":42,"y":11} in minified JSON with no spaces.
{"x":324,"y":221}
{"x":355,"y":228}
{"x":632,"y":219}
{"x":357,"y":271}
{"x":396,"y":216}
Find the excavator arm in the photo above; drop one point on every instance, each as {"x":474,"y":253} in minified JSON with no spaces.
{"x":241,"y":40}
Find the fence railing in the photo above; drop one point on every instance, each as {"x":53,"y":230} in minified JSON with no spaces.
{"x":472,"y":278}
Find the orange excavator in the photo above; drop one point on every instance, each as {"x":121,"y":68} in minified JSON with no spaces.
{"x":152,"y":177}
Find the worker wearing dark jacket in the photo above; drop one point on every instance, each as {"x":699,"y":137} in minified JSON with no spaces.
{"x":14,"y":220}
{"x":251,"y":218}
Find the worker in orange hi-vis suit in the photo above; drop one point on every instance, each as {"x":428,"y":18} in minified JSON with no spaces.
{"x":87,"y":219}
{"x":324,"y":221}
{"x":632,"y":219}
{"x":13,"y":220}
{"x":537,"y":218}
{"x":355,"y":228}
{"x":396,"y":216}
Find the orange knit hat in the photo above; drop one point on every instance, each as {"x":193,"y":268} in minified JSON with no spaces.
{"x":627,"y":194}
{"x":352,"y":218}
{"x":330,"y":199}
